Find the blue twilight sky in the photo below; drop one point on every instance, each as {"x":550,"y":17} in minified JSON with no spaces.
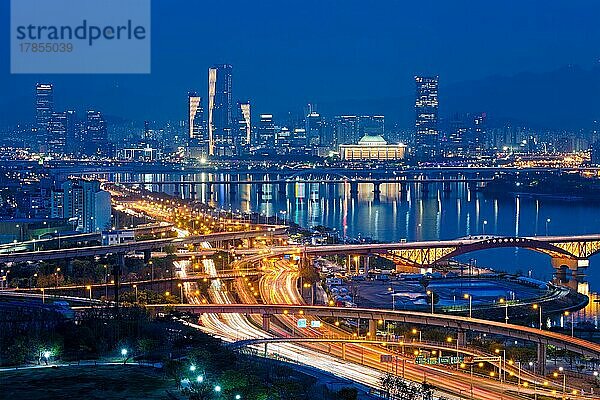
{"x":342,"y":55}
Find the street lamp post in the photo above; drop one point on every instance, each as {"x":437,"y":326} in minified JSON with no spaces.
{"x":497,"y":351}
{"x":505,"y":302}
{"x":136,"y":293}
{"x":89,"y":287}
{"x":572,"y":322}
{"x":539,"y":308}
{"x":470,"y":298}
{"x":564,"y":386}
{"x":484,"y":224}
{"x":180,"y":286}
{"x":415,"y":331}
{"x":547,"y":222}
{"x":430,"y":293}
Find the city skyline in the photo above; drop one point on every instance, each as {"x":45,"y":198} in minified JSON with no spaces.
{"x":525,"y":60}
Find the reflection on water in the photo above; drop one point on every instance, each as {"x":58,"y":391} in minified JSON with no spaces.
{"x":411,"y":214}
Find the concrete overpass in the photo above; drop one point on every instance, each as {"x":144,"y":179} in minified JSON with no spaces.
{"x":540,"y":337}
{"x":141,"y":246}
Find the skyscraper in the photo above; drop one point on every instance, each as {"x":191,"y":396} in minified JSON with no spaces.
{"x":244,"y":132}
{"x":97,"y":135}
{"x":314,"y":127}
{"x":73,"y":135}
{"x":266,"y":131}
{"x":426,"y":120}
{"x":220,"y":108}
{"x":198,"y":139}
{"x":345,"y":129}
{"x":44,"y":107}
{"x":57,"y":133}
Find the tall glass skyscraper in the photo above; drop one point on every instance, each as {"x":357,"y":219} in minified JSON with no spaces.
{"x":220,"y":110}
{"x":97,"y":135}
{"x":198,"y":139}
{"x":57,"y":133}
{"x":44,"y":107}
{"x":426,"y":121}
{"x":244,"y":133}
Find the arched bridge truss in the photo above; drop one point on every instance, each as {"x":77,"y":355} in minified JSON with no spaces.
{"x":570,"y":248}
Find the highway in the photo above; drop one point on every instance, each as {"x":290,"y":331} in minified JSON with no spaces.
{"x":280,"y":286}
{"x":145,"y":245}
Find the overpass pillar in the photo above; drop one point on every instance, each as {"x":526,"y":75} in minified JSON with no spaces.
{"x":266,"y":322}
{"x":447,"y":188}
{"x":541,"y":359}
{"x":376,"y":190}
{"x":462,"y":338}
{"x":209,"y":190}
{"x":372,"y":329}
{"x":577,"y":268}
{"x":147,"y":255}
{"x":402,"y":187}
{"x":354,"y":189}
{"x":424,"y":188}
{"x":177,"y":190}
{"x":193,"y":192}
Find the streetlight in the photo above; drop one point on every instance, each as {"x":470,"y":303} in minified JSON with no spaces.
{"x":218,"y":389}
{"x":56,"y":275}
{"x":89,"y":287}
{"x":200,"y":379}
{"x":136,"y":293}
{"x":415,"y":331}
{"x":547,"y":222}
{"x":470,"y":298}
{"x":124,"y":354}
{"x":180,"y":286}
{"x":572,"y":322}
{"x":539,"y":307}
{"x":505,"y":302}
{"x":238,"y":397}
{"x":192,"y":368}
{"x":484,"y":224}
{"x":564,"y":388}
{"x":430,"y":293}
{"x":497,"y":351}
{"x":43,"y":296}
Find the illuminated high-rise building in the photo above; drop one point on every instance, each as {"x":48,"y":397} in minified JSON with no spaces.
{"x":197,"y":137}
{"x":426,"y":119}
{"x":96,"y":134}
{"x":220,"y":109}
{"x":44,"y":107}
{"x":57,"y":133}
{"x":266,"y":131}
{"x":345,"y":129}
{"x":314,"y":128}
{"x":244,"y":131}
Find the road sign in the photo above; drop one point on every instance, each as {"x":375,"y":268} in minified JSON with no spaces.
{"x":302,"y":323}
{"x":315,"y":324}
{"x":438,"y":360}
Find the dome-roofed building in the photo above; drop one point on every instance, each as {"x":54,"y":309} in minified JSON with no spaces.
{"x":372,"y":148}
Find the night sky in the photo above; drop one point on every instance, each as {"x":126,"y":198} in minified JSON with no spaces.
{"x":343,"y":55}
